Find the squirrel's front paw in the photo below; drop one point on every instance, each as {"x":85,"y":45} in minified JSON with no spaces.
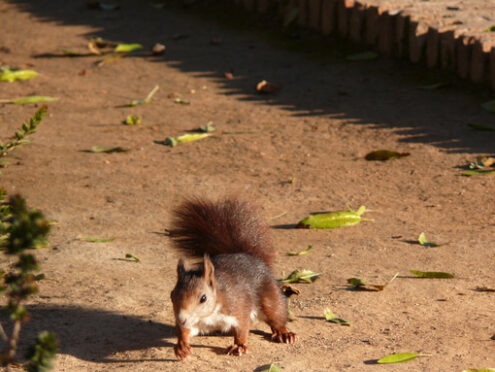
{"x":237,"y":350}
{"x":182,"y":350}
{"x":284,"y":337}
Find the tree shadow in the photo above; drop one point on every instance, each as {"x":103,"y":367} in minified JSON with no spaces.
{"x":316,"y":81}
{"x":93,"y":335}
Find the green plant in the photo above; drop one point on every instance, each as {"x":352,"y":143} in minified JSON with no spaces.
{"x":28,"y":128}
{"x":21,"y":230}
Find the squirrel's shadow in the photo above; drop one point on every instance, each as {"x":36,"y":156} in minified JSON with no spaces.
{"x":94,"y":335}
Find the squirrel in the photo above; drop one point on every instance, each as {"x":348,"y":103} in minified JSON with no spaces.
{"x":233,"y":285}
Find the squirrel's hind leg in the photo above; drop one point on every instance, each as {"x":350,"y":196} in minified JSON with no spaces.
{"x":274,"y":307}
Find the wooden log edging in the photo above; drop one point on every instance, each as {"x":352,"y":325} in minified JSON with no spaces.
{"x":398,"y":32}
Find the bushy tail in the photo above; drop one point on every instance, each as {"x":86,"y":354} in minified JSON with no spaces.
{"x":228,"y":226}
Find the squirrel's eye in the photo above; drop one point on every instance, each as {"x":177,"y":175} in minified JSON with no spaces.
{"x":203,"y":299}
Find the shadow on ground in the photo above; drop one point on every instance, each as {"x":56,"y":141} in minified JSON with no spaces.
{"x":95,"y":335}
{"x":317,"y":81}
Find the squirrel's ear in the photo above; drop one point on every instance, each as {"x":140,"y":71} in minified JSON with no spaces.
{"x":208,"y":271}
{"x":181,"y":270}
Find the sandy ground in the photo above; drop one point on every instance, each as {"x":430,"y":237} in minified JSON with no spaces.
{"x":111,"y":314}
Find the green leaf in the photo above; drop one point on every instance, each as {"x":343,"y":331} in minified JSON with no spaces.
{"x":131,"y":256}
{"x":481,"y":127}
{"x":432,"y":274}
{"x":364,"y":56}
{"x":479,"y":370}
{"x":127,"y":48}
{"x":425,"y":243}
{"x":41,"y":354}
{"x":32,"y":99}
{"x":99,"y":240}
{"x":301,"y":276}
{"x":145,"y":101}
{"x":98,"y":149}
{"x":383,"y":155}
{"x":330,"y":317}
{"x":306,"y":251}
{"x":208,"y":128}
{"x":132,"y":120}
{"x":470,"y":173}
{"x":399,"y":358}
{"x":182,"y":101}
{"x":490,"y":29}
{"x":356,"y":282}
{"x":189,"y":137}
{"x":14,"y":75}
{"x":332,"y":220}
{"x":489,"y":106}
{"x":272,"y":368}
{"x":110,"y":59}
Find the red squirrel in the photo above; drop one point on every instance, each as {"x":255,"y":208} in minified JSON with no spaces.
{"x":233,"y":285}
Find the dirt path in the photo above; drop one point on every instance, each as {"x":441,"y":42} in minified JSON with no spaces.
{"x":111,"y":314}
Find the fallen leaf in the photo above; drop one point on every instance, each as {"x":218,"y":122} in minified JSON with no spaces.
{"x":101,"y":6}
{"x":432,"y":274}
{"x":364,"y":56}
{"x":399,"y":358}
{"x":30,"y":99}
{"x":189,"y":137}
{"x":99,"y":240}
{"x":182,"y":101}
{"x":481,"y":127}
{"x":479,"y":370}
{"x":484,"y":289}
{"x":330,"y":317}
{"x":482,"y":162}
{"x":17,"y":74}
{"x":306,"y":251}
{"x":291,"y":16}
{"x":434,"y":86}
{"x":289,"y":290}
{"x":272,"y":368}
{"x":383,"y":155}
{"x":132,"y":120}
{"x":425,"y":243}
{"x":360,"y":284}
{"x":489,"y":106}
{"x":110,"y":59}
{"x":266,"y":87}
{"x":98,"y":149}
{"x":332,"y":220}
{"x":145,"y":101}
{"x":301,"y":276}
{"x":470,"y":173}
{"x":127,"y":48}
{"x":208,"y":128}
{"x":131,"y":256}
{"x":158,"y":49}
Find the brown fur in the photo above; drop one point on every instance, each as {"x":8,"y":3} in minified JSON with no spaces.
{"x":234,"y":283}
{"x":229,"y":226}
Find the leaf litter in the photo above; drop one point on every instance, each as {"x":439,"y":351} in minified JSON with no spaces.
{"x":359,"y":284}
{"x":333,"y":220}
{"x":301,"y":276}
{"x":332,"y":318}
{"x":399,"y":358}
{"x":306,"y":251}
